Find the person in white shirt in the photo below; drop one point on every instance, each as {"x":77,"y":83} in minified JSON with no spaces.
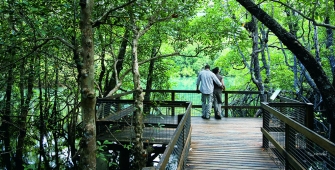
{"x":206,"y":80}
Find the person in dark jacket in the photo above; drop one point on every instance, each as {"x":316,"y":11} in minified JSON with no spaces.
{"x":217,"y":93}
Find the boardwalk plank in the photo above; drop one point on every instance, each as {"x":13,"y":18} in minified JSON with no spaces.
{"x":229,"y":143}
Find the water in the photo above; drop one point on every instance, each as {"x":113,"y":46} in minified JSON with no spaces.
{"x":184,"y":83}
{"x":189,"y":83}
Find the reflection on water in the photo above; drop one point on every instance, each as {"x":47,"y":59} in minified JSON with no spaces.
{"x":184,"y":83}
{"x":188,"y":83}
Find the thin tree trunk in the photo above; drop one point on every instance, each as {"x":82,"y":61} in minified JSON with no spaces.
{"x":54,"y":119}
{"x":150,"y":79}
{"x":7,"y":120}
{"x":316,"y":44}
{"x":41,"y":110}
{"x":119,"y":65}
{"x":102,"y":64}
{"x":255,"y":69}
{"x":88,"y":100}
{"x":329,"y":44}
{"x":72,"y":132}
{"x":7,"y":112}
{"x":264,"y":45}
{"x":25,"y":103}
{"x":139,"y":153}
{"x":298,"y":84}
{"x":74,"y":111}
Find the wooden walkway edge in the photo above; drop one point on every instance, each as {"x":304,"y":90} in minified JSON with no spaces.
{"x":229,"y":143}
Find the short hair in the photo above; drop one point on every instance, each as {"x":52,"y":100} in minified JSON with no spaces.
{"x":207,"y":66}
{"x":216,"y":70}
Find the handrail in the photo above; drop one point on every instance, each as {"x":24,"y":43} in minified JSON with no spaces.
{"x":314,"y":137}
{"x":160,"y":125}
{"x":296,"y":145}
{"x":179,"y":143}
{"x":194,"y":97}
{"x":285,"y":99}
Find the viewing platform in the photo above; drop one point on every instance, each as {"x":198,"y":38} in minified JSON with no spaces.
{"x":286,"y":136}
{"x":229,"y":143}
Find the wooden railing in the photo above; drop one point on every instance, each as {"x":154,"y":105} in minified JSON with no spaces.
{"x":233,"y":104}
{"x":289,"y":137}
{"x":167,"y":136}
{"x":175,"y":155}
{"x":287,"y":126}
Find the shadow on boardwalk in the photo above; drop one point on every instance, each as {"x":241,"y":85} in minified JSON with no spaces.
{"x":229,"y":143}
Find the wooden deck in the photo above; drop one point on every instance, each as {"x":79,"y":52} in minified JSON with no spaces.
{"x":229,"y":143}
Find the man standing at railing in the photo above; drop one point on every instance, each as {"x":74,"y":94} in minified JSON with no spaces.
{"x":207,"y":78}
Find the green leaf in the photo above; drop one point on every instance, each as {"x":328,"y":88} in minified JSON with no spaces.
{"x":106,"y":142}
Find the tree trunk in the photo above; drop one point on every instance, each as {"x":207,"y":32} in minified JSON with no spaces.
{"x":150,"y":79}
{"x":265,"y":61}
{"x":329,"y":44}
{"x":42,"y":110}
{"x":72,"y":132}
{"x":139,"y":152}
{"x":298,"y":81}
{"x":304,"y":56}
{"x":75,"y":111}
{"x":255,"y":70}
{"x":88,"y":100}
{"x":7,"y":120}
{"x":119,"y":65}
{"x":25,"y":103}
{"x":54,"y":119}
{"x":102,"y":63}
{"x":7,"y":112}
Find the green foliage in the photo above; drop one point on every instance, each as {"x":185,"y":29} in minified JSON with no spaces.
{"x":187,"y":72}
{"x":43,"y":37}
{"x":128,"y":146}
{"x":102,"y":154}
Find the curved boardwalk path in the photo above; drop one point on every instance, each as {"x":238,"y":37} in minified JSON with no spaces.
{"x":229,"y":143}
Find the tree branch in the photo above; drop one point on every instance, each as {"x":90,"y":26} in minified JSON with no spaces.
{"x":306,"y":17}
{"x":66,"y":43}
{"x":103,"y":18}
{"x":151,"y":23}
{"x":119,"y":80}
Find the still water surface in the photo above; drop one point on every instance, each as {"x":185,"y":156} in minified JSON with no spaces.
{"x":189,"y":83}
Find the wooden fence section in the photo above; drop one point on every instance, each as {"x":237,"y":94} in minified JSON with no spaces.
{"x":229,"y":143}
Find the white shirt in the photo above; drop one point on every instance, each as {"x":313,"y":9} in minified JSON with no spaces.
{"x":206,"y":77}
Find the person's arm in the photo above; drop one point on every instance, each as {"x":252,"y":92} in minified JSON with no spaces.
{"x":197,"y":84}
{"x":216,"y":80}
{"x":223,"y":86}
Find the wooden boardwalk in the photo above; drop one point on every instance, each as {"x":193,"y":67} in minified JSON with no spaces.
{"x":229,"y":143}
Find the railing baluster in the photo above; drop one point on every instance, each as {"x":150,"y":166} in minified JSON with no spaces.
{"x":287,"y":145}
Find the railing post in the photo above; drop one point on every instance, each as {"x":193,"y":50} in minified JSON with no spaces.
{"x":173,"y":99}
{"x":266,"y":97}
{"x":225,"y":104}
{"x":266,"y":127}
{"x":309,"y":117}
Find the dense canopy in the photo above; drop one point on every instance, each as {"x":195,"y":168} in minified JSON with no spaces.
{"x":57,"y":57}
